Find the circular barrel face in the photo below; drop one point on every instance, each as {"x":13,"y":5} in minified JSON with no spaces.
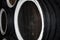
{"x":3,"y":21}
{"x":29,"y":21}
{"x":11,"y":3}
{"x":4,"y":39}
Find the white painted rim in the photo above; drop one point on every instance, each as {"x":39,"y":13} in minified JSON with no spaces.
{"x":1,"y":12}
{"x":9,"y":4}
{"x":20,"y":3}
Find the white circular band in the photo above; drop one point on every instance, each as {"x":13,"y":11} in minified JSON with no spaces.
{"x":1,"y":12}
{"x":9,"y":4}
{"x":20,"y":3}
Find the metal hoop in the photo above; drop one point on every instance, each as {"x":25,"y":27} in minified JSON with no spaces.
{"x":1,"y":12}
{"x":9,"y":4}
{"x":20,"y":3}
